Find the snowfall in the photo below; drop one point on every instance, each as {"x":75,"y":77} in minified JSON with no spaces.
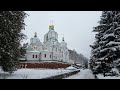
{"x":44,"y":73}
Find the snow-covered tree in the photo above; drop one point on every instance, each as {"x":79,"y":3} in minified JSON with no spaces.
{"x":23,"y":49}
{"x":78,"y":58}
{"x":105,"y":53}
{"x":11,"y":24}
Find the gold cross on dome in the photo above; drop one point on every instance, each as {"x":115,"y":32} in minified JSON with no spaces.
{"x":51,"y":22}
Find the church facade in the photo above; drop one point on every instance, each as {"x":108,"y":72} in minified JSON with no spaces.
{"x":49,"y":50}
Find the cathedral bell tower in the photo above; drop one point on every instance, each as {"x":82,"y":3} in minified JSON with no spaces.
{"x":51,"y":35}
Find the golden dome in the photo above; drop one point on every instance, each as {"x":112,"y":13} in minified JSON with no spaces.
{"x":51,"y":27}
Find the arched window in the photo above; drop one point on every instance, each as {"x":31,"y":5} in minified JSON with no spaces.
{"x":66,"y":53}
{"x":53,"y":42}
{"x":62,"y":53}
{"x":45,"y":55}
{"x":47,"y":37}
{"x":56,"y":49}
{"x":33,"y":56}
{"x":36,"y":56}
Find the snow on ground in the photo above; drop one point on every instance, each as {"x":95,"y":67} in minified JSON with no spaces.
{"x":83,"y":74}
{"x":32,"y":73}
{"x":100,"y":76}
{"x":70,"y":67}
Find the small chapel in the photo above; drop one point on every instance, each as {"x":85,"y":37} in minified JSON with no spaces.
{"x":49,"y":50}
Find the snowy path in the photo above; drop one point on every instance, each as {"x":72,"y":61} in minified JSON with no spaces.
{"x":83,"y":74}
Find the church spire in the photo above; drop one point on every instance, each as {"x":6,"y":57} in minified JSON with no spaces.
{"x":63,"y":39}
{"x":35,"y":34}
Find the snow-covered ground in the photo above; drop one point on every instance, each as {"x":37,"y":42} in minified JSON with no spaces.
{"x":71,"y":68}
{"x":32,"y":73}
{"x":83,"y":74}
{"x":43,"y":73}
{"x":100,"y":76}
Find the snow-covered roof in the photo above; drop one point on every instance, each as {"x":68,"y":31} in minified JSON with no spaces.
{"x":46,"y":50}
{"x":22,"y":59}
{"x":34,"y":51}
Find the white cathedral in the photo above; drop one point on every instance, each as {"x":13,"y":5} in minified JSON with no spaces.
{"x":49,"y":50}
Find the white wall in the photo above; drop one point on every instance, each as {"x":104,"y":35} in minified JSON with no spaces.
{"x":47,"y":55}
{"x":30,"y":55}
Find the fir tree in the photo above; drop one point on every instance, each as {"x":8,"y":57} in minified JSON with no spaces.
{"x":106,"y":48}
{"x":11,"y":24}
{"x":23,"y":49}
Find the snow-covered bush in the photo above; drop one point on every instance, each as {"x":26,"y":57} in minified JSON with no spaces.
{"x":114,"y":71}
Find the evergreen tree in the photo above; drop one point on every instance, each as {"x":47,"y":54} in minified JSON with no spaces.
{"x":106,"y":48}
{"x":11,"y":24}
{"x":23,"y":49}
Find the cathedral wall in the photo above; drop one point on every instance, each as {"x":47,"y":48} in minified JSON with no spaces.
{"x":33,"y":56}
{"x":46,"y":49}
{"x":46,"y":55}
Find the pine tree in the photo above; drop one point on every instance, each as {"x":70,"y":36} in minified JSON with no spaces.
{"x":11,"y":24}
{"x":106,"y":49}
{"x":23,"y":49}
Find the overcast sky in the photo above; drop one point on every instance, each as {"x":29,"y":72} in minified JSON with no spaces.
{"x":76,"y":26}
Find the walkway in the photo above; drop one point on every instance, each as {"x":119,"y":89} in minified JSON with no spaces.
{"x":83,"y":74}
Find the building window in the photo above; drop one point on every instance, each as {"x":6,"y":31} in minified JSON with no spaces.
{"x":62,"y":54}
{"x":45,"y":55}
{"x":66,"y":53}
{"x":36,"y":56}
{"x":53,"y":42}
{"x":33,"y":56}
{"x":47,"y":38}
{"x":56,"y":49}
{"x":50,"y":56}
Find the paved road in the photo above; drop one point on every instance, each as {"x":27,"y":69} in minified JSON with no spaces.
{"x":83,"y":74}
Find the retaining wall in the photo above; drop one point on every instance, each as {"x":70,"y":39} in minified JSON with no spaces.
{"x":52,"y":65}
{"x":61,"y":76}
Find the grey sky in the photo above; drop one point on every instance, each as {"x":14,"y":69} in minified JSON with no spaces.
{"x":76,"y":26}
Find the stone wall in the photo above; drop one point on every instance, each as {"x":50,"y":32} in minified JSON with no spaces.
{"x":52,"y":65}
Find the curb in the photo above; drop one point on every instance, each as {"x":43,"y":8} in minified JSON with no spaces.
{"x":61,"y":76}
